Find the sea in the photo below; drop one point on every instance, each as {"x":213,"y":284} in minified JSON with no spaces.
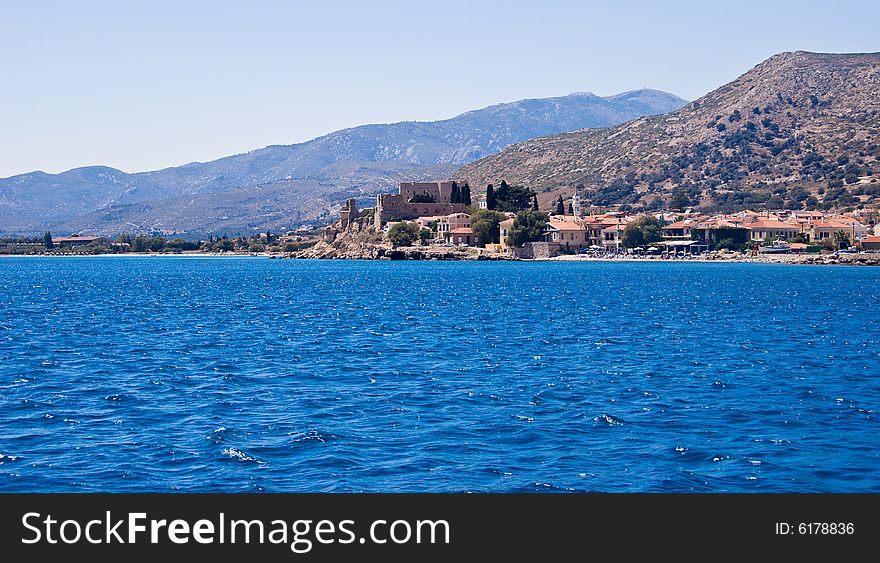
{"x":156,"y":374}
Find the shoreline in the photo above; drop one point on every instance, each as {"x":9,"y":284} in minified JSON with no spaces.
{"x":847,"y":259}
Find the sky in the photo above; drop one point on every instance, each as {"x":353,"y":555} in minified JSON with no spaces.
{"x":152,"y":84}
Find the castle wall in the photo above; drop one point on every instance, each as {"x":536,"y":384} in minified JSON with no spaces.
{"x":398,"y":206}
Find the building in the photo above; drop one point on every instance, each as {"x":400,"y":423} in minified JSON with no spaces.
{"x":425,"y":222}
{"x":74,"y":241}
{"x":871,"y":244}
{"x":461,"y":235}
{"x":825,"y":229}
{"x":504,"y":228}
{"x":451,"y":222}
{"x":773,"y":229}
{"x":416,"y":199}
{"x":567,"y":232}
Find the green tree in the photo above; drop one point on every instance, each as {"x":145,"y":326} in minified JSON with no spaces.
{"x":425,"y":235}
{"x":141,"y":243}
{"x":560,"y":206}
{"x":512,"y":198}
{"x":527,"y":227}
{"x":570,"y":208}
{"x":535,"y":202}
{"x":423,"y":198}
{"x":157,"y":243}
{"x":680,"y":200}
{"x":466,"y":194}
{"x":404,"y":234}
{"x":455,"y":196}
{"x":491,"y":204}
{"x":47,"y":240}
{"x":484,"y":224}
{"x":642,"y":232}
{"x":223,"y":245}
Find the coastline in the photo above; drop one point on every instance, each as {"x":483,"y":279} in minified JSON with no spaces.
{"x":477,"y":254}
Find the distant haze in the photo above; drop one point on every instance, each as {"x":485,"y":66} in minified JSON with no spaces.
{"x":282,"y":186}
{"x":158,"y":84}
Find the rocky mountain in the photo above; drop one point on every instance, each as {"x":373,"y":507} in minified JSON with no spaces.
{"x":798,"y":130}
{"x":281,"y":186}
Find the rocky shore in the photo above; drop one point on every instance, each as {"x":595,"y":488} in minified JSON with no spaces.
{"x":814,"y":259}
{"x":371,"y":251}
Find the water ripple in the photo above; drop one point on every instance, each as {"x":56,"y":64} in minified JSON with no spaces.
{"x":152,"y":374}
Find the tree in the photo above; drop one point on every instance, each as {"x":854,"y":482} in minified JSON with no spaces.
{"x":466,"y":194}
{"x":140,"y":243}
{"x":775,"y":202}
{"x":570,"y":208}
{"x":560,"y":206}
{"x":680,"y":200}
{"x":425,"y":235}
{"x":841,"y":238}
{"x":642,"y":232}
{"x":484,"y":224}
{"x":527,"y":227}
{"x":512,"y":198}
{"x":535,"y":202}
{"x":47,"y":240}
{"x":404,"y":234}
{"x":455,"y":196}
{"x":423,"y":198}
{"x":490,"y":197}
{"x":222,"y":245}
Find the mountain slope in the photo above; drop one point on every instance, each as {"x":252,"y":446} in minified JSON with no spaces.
{"x":795,"y":125}
{"x":362,"y":160}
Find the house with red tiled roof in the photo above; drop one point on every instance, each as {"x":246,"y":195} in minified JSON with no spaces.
{"x":825,"y":229}
{"x":462,"y":235}
{"x":870,"y":243}
{"x":772,"y":228}
{"x":566,"y":231}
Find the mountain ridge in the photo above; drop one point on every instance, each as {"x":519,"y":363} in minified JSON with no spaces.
{"x":780,"y":126}
{"x":356,"y":161}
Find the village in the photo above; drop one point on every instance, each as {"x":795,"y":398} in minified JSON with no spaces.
{"x":431,"y":214}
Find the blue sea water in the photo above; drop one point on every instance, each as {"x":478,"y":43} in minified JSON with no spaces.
{"x":245,"y":374}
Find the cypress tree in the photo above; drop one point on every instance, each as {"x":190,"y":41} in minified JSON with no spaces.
{"x":570,"y":208}
{"x":466,"y":194}
{"x":47,"y":240}
{"x":560,"y":207}
{"x":455,"y":196}
{"x":535,"y":202}
{"x":490,"y":197}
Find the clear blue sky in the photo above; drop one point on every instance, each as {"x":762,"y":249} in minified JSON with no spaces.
{"x":145,"y":85}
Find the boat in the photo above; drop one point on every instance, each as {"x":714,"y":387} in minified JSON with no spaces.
{"x":777,"y":247}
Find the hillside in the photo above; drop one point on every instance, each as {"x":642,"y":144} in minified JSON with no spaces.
{"x":281,"y":186}
{"x":800,"y":129}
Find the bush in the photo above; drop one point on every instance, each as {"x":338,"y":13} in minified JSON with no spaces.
{"x":423,"y":198}
{"x":484,"y":224}
{"x":404,"y":234}
{"x":642,"y":232}
{"x":527,"y":227}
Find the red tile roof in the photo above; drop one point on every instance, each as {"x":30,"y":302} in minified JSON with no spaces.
{"x":771,"y":224}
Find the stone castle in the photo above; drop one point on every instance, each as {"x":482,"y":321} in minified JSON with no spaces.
{"x":399,"y":206}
